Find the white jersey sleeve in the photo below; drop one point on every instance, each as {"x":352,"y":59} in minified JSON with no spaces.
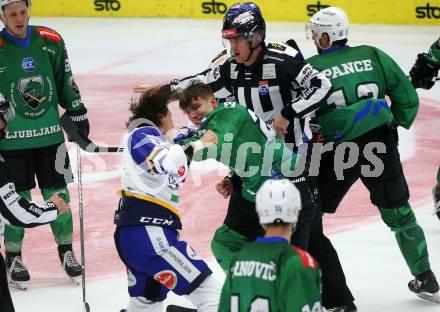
{"x":16,"y":210}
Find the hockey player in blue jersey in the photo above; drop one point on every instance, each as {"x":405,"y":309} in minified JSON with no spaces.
{"x":148,"y":218}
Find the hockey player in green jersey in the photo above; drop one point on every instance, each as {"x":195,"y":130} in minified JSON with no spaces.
{"x":422,"y":75}
{"x":36,"y":77}
{"x":356,"y":74}
{"x":236,"y":137}
{"x":270,"y":274}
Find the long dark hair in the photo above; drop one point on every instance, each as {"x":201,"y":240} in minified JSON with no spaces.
{"x":152,"y":105}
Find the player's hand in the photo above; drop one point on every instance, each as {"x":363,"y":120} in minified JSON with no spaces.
{"x":225,"y":187}
{"x":280,"y":124}
{"x":79,"y":117}
{"x":62,"y":206}
{"x":142,"y":88}
{"x":183,"y":134}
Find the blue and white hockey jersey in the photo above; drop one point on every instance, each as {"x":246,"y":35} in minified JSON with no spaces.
{"x":153,"y":170}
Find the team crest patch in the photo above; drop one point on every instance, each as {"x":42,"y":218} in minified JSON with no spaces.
{"x":32,"y":91}
{"x":28,"y":64}
{"x":263,"y":87}
{"x":167,"y":278}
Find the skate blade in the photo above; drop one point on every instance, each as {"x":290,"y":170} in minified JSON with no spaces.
{"x":430,"y":297}
{"x":176,"y":308}
{"x":75,"y":280}
{"x":21,"y":285}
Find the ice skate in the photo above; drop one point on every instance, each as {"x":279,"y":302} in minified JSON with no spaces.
{"x":425,"y":286}
{"x":18,"y":275}
{"x":70,"y":264}
{"x":345,"y":308}
{"x":176,"y":308}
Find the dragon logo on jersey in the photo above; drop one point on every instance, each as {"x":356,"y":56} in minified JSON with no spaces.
{"x":32,"y":92}
{"x":73,"y":85}
{"x":167,"y":278}
{"x":28,"y":64}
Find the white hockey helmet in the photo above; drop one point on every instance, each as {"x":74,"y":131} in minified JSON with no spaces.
{"x":278,"y":201}
{"x":331,"y":20}
{"x":3,"y":3}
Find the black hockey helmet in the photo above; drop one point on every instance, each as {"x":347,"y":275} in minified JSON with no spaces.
{"x":243,"y":19}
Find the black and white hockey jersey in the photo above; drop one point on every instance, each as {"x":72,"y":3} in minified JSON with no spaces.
{"x":277,"y":82}
{"x":16,"y":210}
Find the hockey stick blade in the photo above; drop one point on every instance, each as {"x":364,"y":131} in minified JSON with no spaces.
{"x":85,"y":144}
{"x":86,"y":307}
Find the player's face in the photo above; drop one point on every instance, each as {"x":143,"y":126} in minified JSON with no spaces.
{"x":16,"y":18}
{"x":166,"y":123}
{"x":240,"y":48}
{"x":199,"y":108}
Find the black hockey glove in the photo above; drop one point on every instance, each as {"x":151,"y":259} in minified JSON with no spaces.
{"x":423,"y":72}
{"x":79,"y":117}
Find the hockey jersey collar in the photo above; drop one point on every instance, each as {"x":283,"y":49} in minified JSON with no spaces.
{"x":259,"y":59}
{"x":19,"y":42}
{"x":335,"y":49}
{"x":272,"y":239}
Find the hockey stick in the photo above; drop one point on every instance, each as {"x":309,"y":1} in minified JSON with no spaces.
{"x":81,"y":228}
{"x":85,"y":144}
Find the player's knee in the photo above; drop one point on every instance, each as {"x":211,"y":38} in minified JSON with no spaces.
{"x":206,"y":296}
{"x":391,"y":193}
{"x":398,"y":219}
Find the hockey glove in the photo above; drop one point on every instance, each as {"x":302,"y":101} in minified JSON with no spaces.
{"x":79,"y":117}
{"x":175,"y":164}
{"x":184,"y":133}
{"x":423,"y":72}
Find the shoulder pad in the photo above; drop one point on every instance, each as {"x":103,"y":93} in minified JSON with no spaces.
{"x":221,"y":58}
{"x":307,"y":260}
{"x":282,"y":48}
{"x":277,"y":46}
{"x":47,"y":33}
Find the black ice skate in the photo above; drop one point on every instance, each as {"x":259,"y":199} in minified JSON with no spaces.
{"x":345,"y":308}
{"x":425,"y":286}
{"x":176,"y":308}
{"x":436,"y":196}
{"x":69,"y":263}
{"x":18,"y":275}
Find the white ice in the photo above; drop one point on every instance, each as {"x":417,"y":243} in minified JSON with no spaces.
{"x":374,"y":267}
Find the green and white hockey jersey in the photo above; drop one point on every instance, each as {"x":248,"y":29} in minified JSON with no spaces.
{"x":246,"y":145}
{"x":365,"y":72}
{"x":36,"y":76}
{"x":271,"y":275}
